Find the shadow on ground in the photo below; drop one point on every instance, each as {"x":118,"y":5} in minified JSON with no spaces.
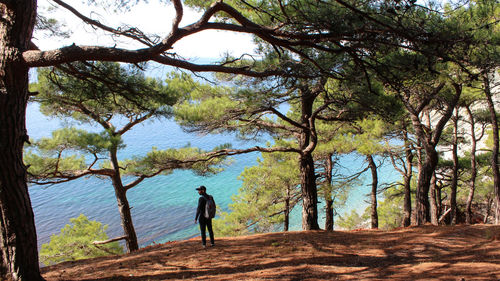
{"x":418,"y":253}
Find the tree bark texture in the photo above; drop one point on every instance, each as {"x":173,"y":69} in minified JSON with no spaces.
{"x":307,"y":143}
{"x":309,"y":193}
{"x":434,"y":208}
{"x":496,"y":139}
{"x":328,"y":198}
{"x":123,"y":205}
{"x":374,"y":213}
{"x":407,"y":183}
{"x":425,"y":172}
{"x":18,"y":242}
{"x":472,"y":184}
{"x":429,"y":140}
{"x":287,"y":209}
{"x":454,"y":175}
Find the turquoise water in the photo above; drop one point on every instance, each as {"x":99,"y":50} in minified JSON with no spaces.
{"x":163,"y":207}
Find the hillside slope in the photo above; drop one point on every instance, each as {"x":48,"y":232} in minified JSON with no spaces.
{"x":417,"y":253}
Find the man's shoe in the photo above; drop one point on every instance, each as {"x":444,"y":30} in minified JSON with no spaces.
{"x":211,"y":245}
{"x":204,"y":246}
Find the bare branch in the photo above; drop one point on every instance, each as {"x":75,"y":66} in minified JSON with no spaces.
{"x":288,"y":120}
{"x":131,"y":124}
{"x":133,"y":33}
{"x":262,"y":123}
{"x":110,"y":240}
{"x":67,"y":176}
{"x":35,"y":58}
{"x":449,"y":110}
{"x":178,"y":14}
{"x":139,"y":180}
{"x":245,"y":70}
{"x":428,"y":98}
{"x":205,"y":157}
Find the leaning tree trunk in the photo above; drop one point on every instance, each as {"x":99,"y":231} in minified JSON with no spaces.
{"x":18,"y":242}
{"x":123,"y":205}
{"x":374,"y":214}
{"x":473,"y":162}
{"x":494,"y":157}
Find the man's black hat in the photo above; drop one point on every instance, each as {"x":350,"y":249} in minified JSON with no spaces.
{"x":201,"y":188}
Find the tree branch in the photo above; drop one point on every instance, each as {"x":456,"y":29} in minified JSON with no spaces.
{"x":428,"y":98}
{"x":110,"y":240}
{"x":131,"y":124}
{"x":139,"y":180}
{"x":447,"y":114}
{"x":138,"y":36}
{"x":270,"y":125}
{"x":35,"y":58}
{"x":67,"y":176}
{"x":288,"y":120}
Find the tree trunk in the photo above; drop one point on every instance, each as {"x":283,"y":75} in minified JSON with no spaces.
{"x":287,"y":209}
{"x":407,"y":183}
{"x":374,"y":214}
{"x":309,"y":193}
{"x":454,"y":176}
{"x":123,"y":205}
{"x":439,"y":199}
{"x":473,"y":162}
{"x":494,"y":157}
{"x":489,"y":202}
{"x":423,"y":184}
{"x":18,"y":242}
{"x":329,"y":215}
{"x":434,"y":208}
{"x":307,"y":143}
{"x":328,"y":196}
{"x":429,"y":139}
{"x":425,"y":170}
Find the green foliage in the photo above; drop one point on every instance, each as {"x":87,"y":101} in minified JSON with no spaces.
{"x":96,"y":92}
{"x":197,"y":160}
{"x":205,"y":105}
{"x":364,"y":136}
{"x":390,"y":210}
{"x":65,"y":152}
{"x":353,"y":221}
{"x":109,"y":95}
{"x":75,"y":242}
{"x":116,"y":98}
{"x":260,"y":202}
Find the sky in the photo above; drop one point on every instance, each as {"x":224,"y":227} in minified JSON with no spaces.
{"x":151,"y":18}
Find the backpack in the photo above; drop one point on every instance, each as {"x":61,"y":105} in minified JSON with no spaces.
{"x":210,"y":207}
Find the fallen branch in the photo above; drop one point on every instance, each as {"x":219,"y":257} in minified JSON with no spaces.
{"x":444,"y":215}
{"x":110,"y":240}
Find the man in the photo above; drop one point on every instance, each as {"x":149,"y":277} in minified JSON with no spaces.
{"x":205,"y":221}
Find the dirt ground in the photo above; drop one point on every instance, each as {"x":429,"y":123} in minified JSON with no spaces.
{"x":416,"y":253}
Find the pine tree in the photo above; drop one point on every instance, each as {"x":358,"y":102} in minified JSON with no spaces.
{"x":115,"y":99}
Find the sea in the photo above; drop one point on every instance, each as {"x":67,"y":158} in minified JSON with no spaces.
{"x":163,"y":207}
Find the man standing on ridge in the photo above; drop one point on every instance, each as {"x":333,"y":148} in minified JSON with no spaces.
{"x":204,"y":214}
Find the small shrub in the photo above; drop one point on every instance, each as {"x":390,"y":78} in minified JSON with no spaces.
{"x":75,"y":242}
